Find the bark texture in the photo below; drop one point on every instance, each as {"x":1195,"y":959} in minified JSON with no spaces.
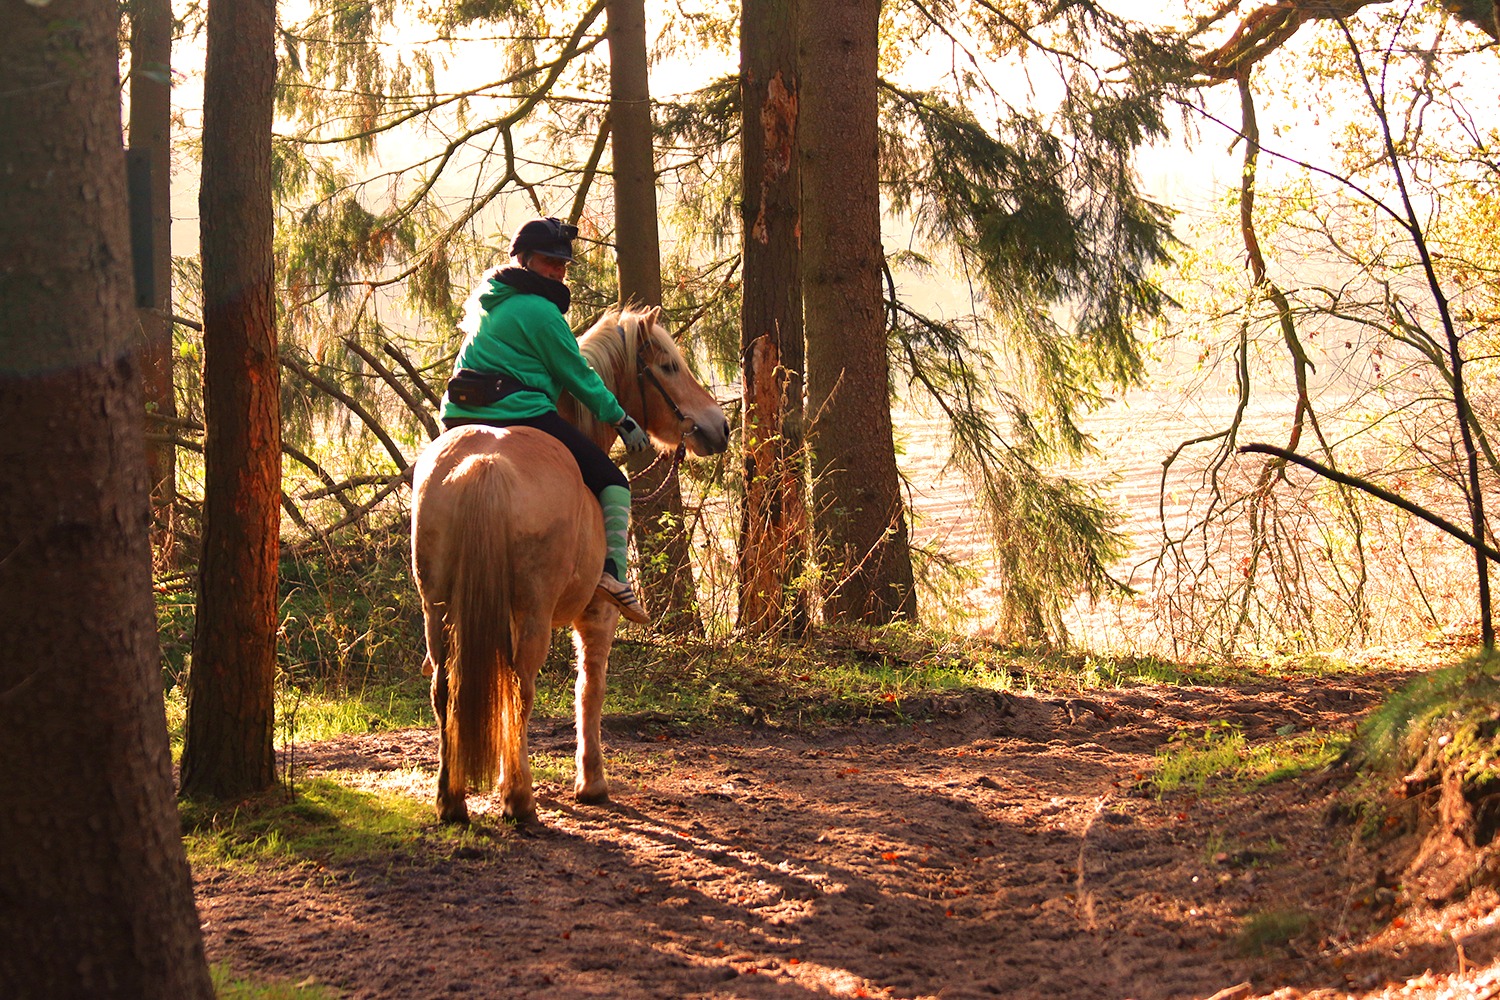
{"x":858,"y":513}
{"x":227,"y":751}
{"x":97,"y":900}
{"x":773,"y":524}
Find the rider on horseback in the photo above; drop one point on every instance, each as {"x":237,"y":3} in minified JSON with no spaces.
{"x":523,"y":354}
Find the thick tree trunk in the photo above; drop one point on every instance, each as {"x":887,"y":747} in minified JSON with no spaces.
{"x":665,"y":565}
{"x":97,"y":896}
{"x":227,"y":751}
{"x":773,"y":522}
{"x":151,"y":139}
{"x":858,"y":513}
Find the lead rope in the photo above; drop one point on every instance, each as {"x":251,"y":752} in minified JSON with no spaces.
{"x":671,"y":476}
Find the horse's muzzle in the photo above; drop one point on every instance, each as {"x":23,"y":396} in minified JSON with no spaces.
{"x":704,"y":440}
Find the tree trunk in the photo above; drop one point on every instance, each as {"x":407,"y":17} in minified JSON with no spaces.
{"x":98,"y":900}
{"x":227,"y":751}
{"x":773,"y":521}
{"x":665,"y":565}
{"x":858,"y":513}
{"x":151,"y":139}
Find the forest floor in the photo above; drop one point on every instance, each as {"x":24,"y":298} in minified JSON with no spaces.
{"x":1004,"y":845}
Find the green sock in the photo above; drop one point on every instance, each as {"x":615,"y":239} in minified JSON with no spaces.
{"x":615,"y":502}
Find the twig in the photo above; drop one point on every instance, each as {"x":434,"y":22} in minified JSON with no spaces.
{"x":1345,"y":479}
{"x":429,"y":422}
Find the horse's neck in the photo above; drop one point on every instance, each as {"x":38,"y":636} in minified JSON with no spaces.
{"x":579,"y":416}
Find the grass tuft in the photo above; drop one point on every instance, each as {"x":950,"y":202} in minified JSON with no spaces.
{"x":227,"y":986}
{"x":324,"y":823}
{"x":1220,"y":754}
{"x":1272,"y":930}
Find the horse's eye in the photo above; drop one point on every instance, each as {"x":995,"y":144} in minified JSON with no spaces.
{"x":670,"y":368}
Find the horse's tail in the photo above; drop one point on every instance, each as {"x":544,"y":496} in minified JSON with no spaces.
{"x":484,"y":698}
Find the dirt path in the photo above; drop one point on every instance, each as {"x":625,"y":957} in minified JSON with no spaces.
{"x":999,"y":849}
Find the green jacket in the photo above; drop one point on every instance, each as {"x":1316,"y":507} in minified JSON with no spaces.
{"x":526,"y":337}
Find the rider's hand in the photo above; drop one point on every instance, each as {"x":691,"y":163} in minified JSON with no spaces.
{"x":632,"y":435}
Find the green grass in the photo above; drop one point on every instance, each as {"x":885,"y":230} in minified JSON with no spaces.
{"x":1219,"y":754}
{"x":324,"y":822}
{"x":1447,"y":718}
{"x":311,"y":715}
{"x":1270,"y":931}
{"x":306,"y":716}
{"x":228,"y":986}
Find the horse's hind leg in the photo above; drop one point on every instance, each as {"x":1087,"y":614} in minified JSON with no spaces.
{"x":517,"y":800}
{"x":451,"y":807}
{"x":594,"y":633}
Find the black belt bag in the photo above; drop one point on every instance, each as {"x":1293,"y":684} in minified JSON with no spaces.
{"x":472,"y":389}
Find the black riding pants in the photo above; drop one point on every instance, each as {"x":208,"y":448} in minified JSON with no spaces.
{"x":598,"y":471}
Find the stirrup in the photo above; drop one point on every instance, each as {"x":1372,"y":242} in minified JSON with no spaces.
{"x":621,"y":596}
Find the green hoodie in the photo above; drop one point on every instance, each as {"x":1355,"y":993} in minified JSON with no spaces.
{"x":525,"y":336}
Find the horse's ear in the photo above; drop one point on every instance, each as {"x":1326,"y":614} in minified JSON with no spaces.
{"x":653,"y":317}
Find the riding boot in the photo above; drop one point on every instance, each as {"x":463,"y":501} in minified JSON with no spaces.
{"x":615,"y":502}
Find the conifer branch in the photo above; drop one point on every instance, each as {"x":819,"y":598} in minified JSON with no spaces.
{"x":329,"y":389}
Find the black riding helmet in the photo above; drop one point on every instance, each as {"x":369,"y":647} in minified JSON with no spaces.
{"x":549,"y":236}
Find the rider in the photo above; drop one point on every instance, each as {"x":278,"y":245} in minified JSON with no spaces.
{"x":519,"y":342}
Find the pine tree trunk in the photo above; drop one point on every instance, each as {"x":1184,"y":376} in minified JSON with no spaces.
{"x":773,"y":521}
{"x":858,"y":512}
{"x":665,"y":565}
{"x":151,"y":138}
{"x":97,"y":897}
{"x":227,"y":750}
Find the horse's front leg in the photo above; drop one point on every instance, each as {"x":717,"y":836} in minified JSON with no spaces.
{"x":593,"y":634}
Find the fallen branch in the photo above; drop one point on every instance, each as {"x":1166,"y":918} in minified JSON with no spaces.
{"x":329,"y":389}
{"x":412,"y":373}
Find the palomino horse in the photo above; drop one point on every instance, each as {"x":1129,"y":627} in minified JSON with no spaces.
{"x":508,"y":544}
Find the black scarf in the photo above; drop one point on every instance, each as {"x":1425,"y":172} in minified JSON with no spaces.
{"x":532,"y":283}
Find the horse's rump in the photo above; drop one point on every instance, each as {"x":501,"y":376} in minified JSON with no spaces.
{"x":504,"y":533}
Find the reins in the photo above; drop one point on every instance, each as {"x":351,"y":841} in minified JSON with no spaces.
{"x":644,"y":374}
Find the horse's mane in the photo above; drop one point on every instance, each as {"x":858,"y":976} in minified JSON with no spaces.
{"x":612,"y":356}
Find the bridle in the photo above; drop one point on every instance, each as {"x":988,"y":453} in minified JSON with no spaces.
{"x":644,"y":374}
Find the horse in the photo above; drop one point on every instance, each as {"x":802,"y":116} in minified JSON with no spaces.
{"x":508,"y":544}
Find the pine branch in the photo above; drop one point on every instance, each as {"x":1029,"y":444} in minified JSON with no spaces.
{"x":429,"y":422}
{"x":329,"y":389}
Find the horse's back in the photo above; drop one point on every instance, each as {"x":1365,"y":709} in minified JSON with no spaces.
{"x":524,"y":488}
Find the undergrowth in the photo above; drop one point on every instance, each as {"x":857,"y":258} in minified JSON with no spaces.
{"x":351,"y":647}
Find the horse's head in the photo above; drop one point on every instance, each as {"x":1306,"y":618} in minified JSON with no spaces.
{"x":675,"y":406}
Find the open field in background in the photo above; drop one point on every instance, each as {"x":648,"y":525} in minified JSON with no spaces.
{"x":1134,"y":436}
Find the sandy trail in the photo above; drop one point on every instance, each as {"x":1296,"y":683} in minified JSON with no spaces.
{"x":1001,"y":847}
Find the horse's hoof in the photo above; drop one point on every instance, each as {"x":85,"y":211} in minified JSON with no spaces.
{"x":453,"y":814}
{"x":520,"y":817}
{"x":592,"y":795}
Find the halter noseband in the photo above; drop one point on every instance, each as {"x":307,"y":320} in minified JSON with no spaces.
{"x":644,"y":374}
